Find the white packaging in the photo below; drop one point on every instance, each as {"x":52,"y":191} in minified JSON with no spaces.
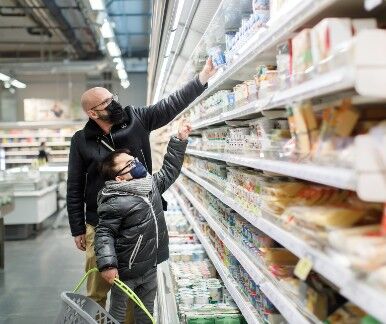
{"x":362,"y":24}
{"x":327,"y":36}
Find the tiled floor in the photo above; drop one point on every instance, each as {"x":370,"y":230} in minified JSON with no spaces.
{"x":36,"y":272}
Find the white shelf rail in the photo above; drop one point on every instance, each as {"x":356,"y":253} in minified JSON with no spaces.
{"x":371,"y":299}
{"x":331,"y":176}
{"x":290,"y":312}
{"x":246,"y":308}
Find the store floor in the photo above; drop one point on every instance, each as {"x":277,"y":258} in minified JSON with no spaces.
{"x":36,"y":272}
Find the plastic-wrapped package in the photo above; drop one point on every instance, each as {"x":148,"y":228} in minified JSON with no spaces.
{"x":260,"y":5}
{"x":217,"y":53}
{"x":236,"y":139}
{"x":215,"y":139}
{"x":284,"y":64}
{"x":302,"y":56}
{"x":364,"y":246}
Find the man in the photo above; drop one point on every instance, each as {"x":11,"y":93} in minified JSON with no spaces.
{"x":111,"y":127}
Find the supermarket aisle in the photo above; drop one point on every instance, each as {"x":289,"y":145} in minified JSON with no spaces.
{"x":36,"y":272}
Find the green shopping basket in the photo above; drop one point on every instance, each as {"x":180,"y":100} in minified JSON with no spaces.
{"x":79,"y":309}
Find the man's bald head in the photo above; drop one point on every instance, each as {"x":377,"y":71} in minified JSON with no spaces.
{"x":94,"y":97}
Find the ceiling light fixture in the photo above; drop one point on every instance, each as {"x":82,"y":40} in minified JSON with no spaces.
{"x":4,"y":77}
{"x":125,"y":84}
{"x":97,"y":4}
{"x":122,"y":74}
{"x":113,"y":49}
{"x":18,"y":84}
{"x":8,"y":81}
{"x":120,"y":66}
{"x":106,"y":29}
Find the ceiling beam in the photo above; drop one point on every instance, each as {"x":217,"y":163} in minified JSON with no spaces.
{"x":37,"y":7}
{"x":126,"y":14}
{"x":67,"y":30}
{"x":131,"y":33}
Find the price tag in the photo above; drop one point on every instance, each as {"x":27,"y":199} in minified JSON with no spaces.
{"x":303,"y":268}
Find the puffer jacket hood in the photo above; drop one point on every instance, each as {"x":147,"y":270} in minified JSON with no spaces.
{"x":136,"y":187}
{"x":131,"y":234}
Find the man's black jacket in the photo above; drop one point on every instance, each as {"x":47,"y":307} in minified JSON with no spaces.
{"x":87,"y":150}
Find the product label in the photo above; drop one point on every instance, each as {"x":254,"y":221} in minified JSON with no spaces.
{"x":303,"y":268}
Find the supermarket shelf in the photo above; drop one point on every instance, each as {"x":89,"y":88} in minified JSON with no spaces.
{"x":369,"y":298}
{"x":22,"y":153}
{"x":323,"y":85}
{"x":19,"y":161}
{"x":166,"y":298}
{"x":34,"y":135}
{"x":34,"y":144}
{"x":245,"y":307}
{"x":41,"y":124}
{"x":331,"y":176}
{"x":281,"y":302}
{"x":284,"y":24}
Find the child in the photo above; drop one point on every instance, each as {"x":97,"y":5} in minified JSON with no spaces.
{"x":131,"y":237}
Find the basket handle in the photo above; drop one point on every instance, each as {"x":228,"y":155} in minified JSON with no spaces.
{"x":121,"y":285}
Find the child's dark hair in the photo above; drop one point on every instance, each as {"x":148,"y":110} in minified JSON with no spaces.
{"x":107,"y":166}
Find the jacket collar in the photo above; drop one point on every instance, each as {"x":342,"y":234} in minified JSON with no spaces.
{"x":92,"y":129}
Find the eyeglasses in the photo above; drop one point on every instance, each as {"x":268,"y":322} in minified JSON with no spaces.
{"x":128,"y":165}
{"x":105,"y":103}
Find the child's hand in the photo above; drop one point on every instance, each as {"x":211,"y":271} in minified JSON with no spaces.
{"x":184,"y":130}
{"x":109,"y":275}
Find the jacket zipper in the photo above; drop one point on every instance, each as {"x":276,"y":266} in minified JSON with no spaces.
{"x":147,"y":200}
{"x":135,"y":251}
{"x":144,"y":160}
{"x":112,"y":140}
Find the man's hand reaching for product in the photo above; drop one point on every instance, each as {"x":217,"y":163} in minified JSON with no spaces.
{"x":184,"y":130}
{"x":207,"y":72}
{"x":109,"y":275}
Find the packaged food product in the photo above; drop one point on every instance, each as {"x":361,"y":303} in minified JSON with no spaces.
{"x":260,"y":5}
{"x":217,"y":54}
{"x":302,"y":56}
{"x":337,"y":124}
{"x":284,"y":64}
{"x":268,"y":83}
{"x":305,"y":127}
{"x":364,"y":246}
{"x":326,"y":38}
{"x":278,"y":256}
{"x":319,"y":219}
{"x":276,"y":6}
{"x":362,"y":24}
{"x":348,"y":313}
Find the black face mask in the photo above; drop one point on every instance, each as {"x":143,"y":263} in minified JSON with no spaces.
{"x":114,"y":113}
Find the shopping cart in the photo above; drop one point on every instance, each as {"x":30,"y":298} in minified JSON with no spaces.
{"x":79,"y":309}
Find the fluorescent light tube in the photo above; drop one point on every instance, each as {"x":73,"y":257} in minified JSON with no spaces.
{"x":122,"y":74}
{"x":120,"y":66}
{"x":18,"y":84}
{"x":177,"y":16}
{"x":4,"y":77}
{"x":125,"y":84}
{"x":97,"y":4}
{"x":113,"y":49}
{"x":106,"y":30}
